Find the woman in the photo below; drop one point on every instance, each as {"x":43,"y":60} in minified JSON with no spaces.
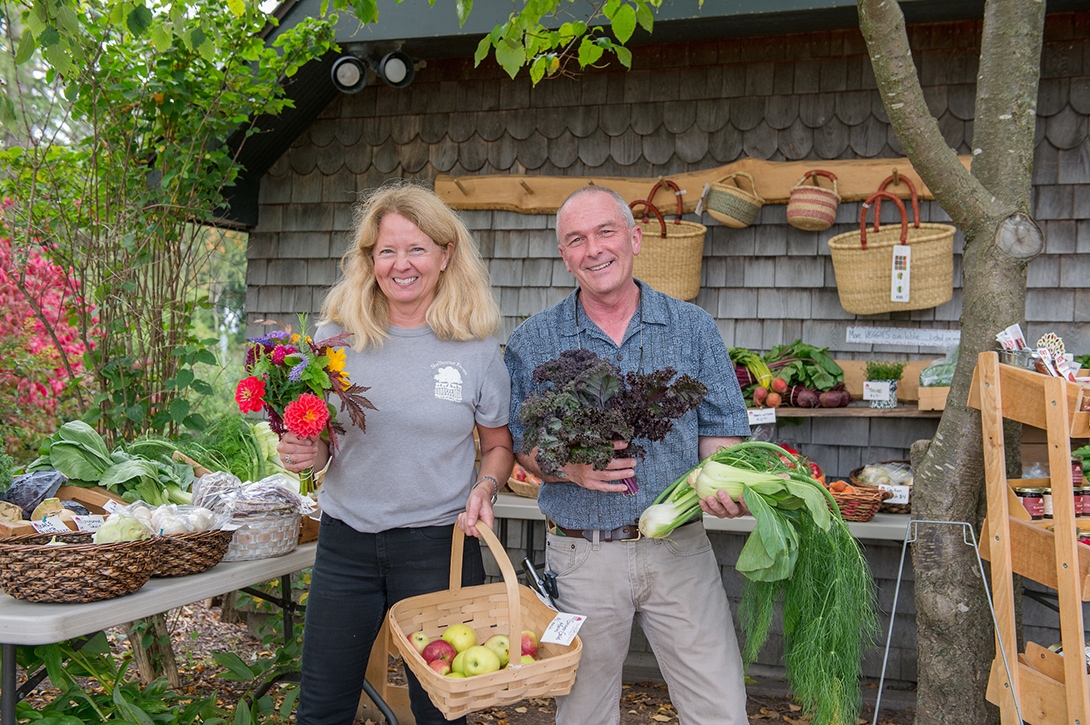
{"x":415,"y":294}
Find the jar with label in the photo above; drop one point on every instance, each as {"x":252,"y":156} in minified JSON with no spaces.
{"x":1046,"y":502}
{"x":1033,"y":499}
{"x":1082,"y":500}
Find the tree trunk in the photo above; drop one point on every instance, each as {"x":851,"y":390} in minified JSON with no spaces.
{"x":152,"y":651}
{"x":954,"y":627}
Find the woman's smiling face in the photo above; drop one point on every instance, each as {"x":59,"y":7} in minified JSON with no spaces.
{"x":407,"y":268}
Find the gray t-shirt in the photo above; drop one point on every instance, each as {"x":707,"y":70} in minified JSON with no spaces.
{"x":415,"y":464}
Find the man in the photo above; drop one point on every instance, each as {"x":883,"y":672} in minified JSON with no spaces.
{"x":604,"y":569}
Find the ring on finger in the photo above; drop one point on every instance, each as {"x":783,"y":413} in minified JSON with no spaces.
{"x":287,"y":459}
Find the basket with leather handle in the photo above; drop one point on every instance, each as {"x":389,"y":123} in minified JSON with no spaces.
{"x":730,"y":203}
{"x":812,"y":207}
{"x":863,"y":261}
{"x":671,"y":253}
{"x":502,"y":608}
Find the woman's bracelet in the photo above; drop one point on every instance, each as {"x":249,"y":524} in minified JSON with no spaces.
{"x":495,"y":488}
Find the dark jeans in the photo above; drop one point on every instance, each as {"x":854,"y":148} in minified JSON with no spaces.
{"x":355,"y":579}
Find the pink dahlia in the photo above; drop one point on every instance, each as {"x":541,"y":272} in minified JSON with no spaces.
{"x":250,"y":394}
{"x":306,"y":416}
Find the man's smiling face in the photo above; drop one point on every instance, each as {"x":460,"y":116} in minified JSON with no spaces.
{"x":596,"y":244}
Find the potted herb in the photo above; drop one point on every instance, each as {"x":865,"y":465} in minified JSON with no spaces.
{"x":883,"y":372}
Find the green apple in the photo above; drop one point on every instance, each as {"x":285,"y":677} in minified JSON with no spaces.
{"x":501,"y":645}
{"x":480,"y":660}
{"x":456,"y":665}
{"x":456,"y":675}
{"x":461,"y":636}
{"x":419,"y":640}
{"x":527,"y":659}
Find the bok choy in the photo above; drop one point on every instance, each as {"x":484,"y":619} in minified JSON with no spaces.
{"x":800,"y":553}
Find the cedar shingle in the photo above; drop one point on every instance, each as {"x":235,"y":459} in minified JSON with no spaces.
{"x":321,"y":131}
{"x":893,"y":142}
{"x":550,"y":121}
{"x":358,"y":105}
{"x":877,"y":108}
{"x":443,"y":155}
{"x":461,"y":125}
{"x":357,"y":157}
{"x":725,"y":145}
{"x":816,"y":109}
{"x":1053,"y":202}
{"x":468,"y":94}
{"x":831,"y":139}
{"x":952,"y":130}
{"x":1074,"y":164}
{"x":373,"y":178}
{"x":747,"y":112}
{"x":781,"y":111}
{"x":692,"y":145}
{"x":595,"y":90}
{"x":734,"y":81}
{"x":375,"y":130}
{"x":853,"y":79}
{"x":1066,"y":129}
{"x":712,"y":114}
{"x":626,"y":148}
{"x":503,"y":151}
{"x":868,"y":138}
{"x":703,"y":53}
{"x":563,"y":150}
{"x":961,"y":100}
{"x":645,"y":118}
{"x":423,"y":96}
{"x":472,"y":154}
{"x":281,"y":166}
{"x":302,"y":159}
{"x":413,"y":155}
{"x":1046,"y":163}
{"x":759,"y":142}
{"x":658,"y":147}
{"x":347,"y":131}
{"x":330,"y":158}
{"x":594,"y":149}
{"x":614,"y":119}
{"x":582,"y":120}
{"x":405,"y":129}
{"x":513,"y":95}
{"x":637,"y":86}
{"x":834,"y":74}
{"x":692,"y":84}
{"x":385,"y":157}
{"x":935,"y":98}
{"x":553,"y":92}
{"x":1052,"y":95}
{"x":520,"y":124}
{"x":783,"y":78}
{"x":433,"y":126}
{"x":679,"y":116}
{"x":807,"y":76}
{"x":852,"y":107}
{"x":1080,"y":94}
{"x":1039,"y":131}
{"x":262,"y":245}
{"x":1061,"y":59}
{"x":533,"y":150}
{"x":866,"y":77}
{"x":663,"y":86}
{"x":306,"y":217}
{"x":759,"y":78}
{"x":796,"y":141}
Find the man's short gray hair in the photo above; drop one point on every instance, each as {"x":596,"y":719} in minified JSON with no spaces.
{"x":622,"y":205}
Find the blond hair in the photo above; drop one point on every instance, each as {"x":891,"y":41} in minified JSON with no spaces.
{"x":463,"y":308}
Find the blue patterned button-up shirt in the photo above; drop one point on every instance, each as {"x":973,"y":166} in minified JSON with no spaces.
{"x":664,"y":332}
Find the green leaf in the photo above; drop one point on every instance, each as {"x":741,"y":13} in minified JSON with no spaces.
{"x":236,"y":669}
{"x":139,"y":20}
{"x":623,"y":23}
{"x":135,"y":413}
{"x":366,"y":11}
{"x":463,"y":8}
{"x":27,"y":45}
{"x":201,"y":387}
{"x":624,"y":55}
{"x":179,"y":409}
{"x":537,"y":69}
{"x":589,"y":52}
{"x":49,"y":37}
{"x":644,"y":16}
{"x":511,"y":56}
{"x":161,"y":39}
{"x":610,"y":8}
{"x":237,"y":7}
{"x":206,"y":356}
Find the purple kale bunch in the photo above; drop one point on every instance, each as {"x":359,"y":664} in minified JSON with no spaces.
{"x":584,"y":404}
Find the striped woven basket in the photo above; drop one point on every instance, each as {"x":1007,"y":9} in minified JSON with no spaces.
{"x":729,"y":203}
{"x":813,"y":207}
{"x":863,"y":263}
{"x":671,"y":253}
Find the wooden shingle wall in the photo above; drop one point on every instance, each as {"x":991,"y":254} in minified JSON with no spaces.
{"x":686,"y":107}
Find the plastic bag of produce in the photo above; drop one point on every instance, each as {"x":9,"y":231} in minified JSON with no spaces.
{"x":30,"y":489}
{"x":941,"y":372}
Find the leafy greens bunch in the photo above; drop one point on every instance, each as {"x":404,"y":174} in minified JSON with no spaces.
{"x":589,"y":404}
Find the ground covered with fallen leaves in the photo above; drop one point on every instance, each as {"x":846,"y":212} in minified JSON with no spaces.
{"x":197,"y":632}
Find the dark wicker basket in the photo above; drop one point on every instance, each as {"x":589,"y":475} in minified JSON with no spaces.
{"x":860,"y":505}
{"x":886,"y":508}
{"x":191,"y":553}
{"x":77,"y":573}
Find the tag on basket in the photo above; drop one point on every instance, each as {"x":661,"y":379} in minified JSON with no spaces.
{"x":900,"y":493}
{"x":91,"y":522}
{"x":563,"y":628}
{"x":901,"y":273}
{"x":51,"y":525}
{"x":112,"y":506}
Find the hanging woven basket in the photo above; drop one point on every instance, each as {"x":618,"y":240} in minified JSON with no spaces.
{"x":671,"y":253}
{"x":812,"y":207}
{"x":729,"y":202}
{"x":863,"y":262}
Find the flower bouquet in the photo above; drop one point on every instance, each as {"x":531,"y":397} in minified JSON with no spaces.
{"x":290,"y":377}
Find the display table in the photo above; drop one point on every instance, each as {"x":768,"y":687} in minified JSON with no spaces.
{"x":26,"y":623}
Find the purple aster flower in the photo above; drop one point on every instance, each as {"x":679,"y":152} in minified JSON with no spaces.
{"x":297,"y":372}
{"x":279,"y":335}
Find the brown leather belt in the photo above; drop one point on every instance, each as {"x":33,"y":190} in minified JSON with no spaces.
{"x":631,"y":532}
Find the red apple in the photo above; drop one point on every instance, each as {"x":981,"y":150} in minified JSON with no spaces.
{"x":439,"y":650}
{"x":419,"y":640}
{"x":440,"y":666}
{"x":529,"y":643}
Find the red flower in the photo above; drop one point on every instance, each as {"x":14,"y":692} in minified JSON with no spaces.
{"x":249,"y":394}
{"x":306,"y":416}
{"x":281,"y":352}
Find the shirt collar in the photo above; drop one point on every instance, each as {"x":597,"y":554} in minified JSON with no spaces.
{"x":652,"y":310}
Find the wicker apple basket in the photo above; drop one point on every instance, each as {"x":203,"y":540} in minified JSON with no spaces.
{"x":489,"y":610}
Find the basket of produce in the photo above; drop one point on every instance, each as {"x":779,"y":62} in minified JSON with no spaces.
{"x":671,"y":252}
{"x":73,"y":569}
{"x":864,"y":262}
{"x":729,"y":202}
{"x":812,"y":207}
{"x":191,"y":538}
{"x":893,"y":476}
{"x":857,"y":504}
{"x":523,"y":483}
{"x":266,"y":514}
{"x":473,"y":628}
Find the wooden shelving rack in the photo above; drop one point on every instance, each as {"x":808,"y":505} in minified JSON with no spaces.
{"x":1050,"y":689}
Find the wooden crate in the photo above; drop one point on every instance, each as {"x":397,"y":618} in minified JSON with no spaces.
{"x":933,"y":398}
{"x":907,"y":389}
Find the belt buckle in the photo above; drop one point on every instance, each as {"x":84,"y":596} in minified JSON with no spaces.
{"x":639,"y":535}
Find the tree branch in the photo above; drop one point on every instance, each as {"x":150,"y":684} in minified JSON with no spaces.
{"x":962,"y":196}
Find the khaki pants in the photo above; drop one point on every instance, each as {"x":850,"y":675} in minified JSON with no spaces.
{"x":674,"y":590}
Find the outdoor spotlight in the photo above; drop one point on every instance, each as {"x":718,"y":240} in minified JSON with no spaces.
{"x":349,"y":74}
{"x":396,"y":69}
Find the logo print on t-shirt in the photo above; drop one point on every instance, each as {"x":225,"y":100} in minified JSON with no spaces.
{"x":448,"y":384}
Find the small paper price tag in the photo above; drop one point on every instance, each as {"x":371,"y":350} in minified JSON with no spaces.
{"x":760,"y":416}
{"x":112,"y":506}
{"x":876,"y":390}
{"x":900,"y":493}
{"x":50,"y":525}
{"x":901,"y":273}
{"x":563,"y":628}
{"x":89,"y":523}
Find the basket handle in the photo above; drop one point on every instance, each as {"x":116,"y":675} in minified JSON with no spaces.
{"x":733,"y":176}
{"x":813,"y":174}
{"x":648,"y":206}
{"x":677,"y":196}
{"x":896,"y":179}
{"x":863,"y":216}
{"x":510,"y":579}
